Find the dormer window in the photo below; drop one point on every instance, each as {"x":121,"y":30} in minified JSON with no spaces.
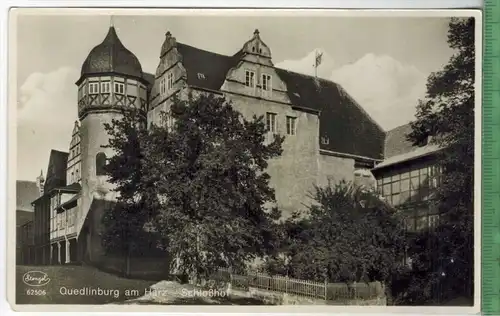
{"x":119,"y":88}
{"x":170,"y":81}
{"x":201,"y":76}
{"x":325,"y":140}
{"x":93,"y":88}
{"x":249,"y":78}
{"x":105,"y":87}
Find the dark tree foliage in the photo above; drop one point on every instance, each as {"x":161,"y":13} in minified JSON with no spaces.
{"x":126,"y":224}
{"x":199,"y":180}
{"x":209,"y":170}
{"x":349,"y":235}
{"x":447,"y":114}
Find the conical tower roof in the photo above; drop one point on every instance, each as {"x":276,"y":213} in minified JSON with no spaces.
{"x":111,"y":56}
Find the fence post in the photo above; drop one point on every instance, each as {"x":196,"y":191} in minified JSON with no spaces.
{"x":326,"y":288}
{"x":286,"y":284}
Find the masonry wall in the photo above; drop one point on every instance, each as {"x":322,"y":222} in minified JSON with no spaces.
{"x":334,"y":169}
{"x":94,"y":136}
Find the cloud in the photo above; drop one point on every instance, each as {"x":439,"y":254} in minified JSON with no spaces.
{"x":387,"y":89}
{"x":47,"y":109}
{"x":305,"y":65}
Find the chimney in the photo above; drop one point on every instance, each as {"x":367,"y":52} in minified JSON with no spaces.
{"x":40,"y":182}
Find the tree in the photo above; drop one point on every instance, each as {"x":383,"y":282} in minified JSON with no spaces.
{"x":349,"y":235}
{"x":126,"y":224}
{"x":447,"y":114}
{"x":208,"y":169}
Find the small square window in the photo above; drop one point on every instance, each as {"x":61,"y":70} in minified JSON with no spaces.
{"x":119,"y":88}
{"x":93,"y":88}
{"x":105,"y":87}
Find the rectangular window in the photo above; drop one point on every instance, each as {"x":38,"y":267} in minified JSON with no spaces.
{"x":105,"y":87}
{"x":93,"y":88}
{"x":387,"y":190}
{"x":266,"y":82}
{"x":170,"y":81}
{"x":405,"y":196}
{"x":249,"y":78}
{"x":396,"y":188}
{"x":396,"y":199}
{"x":119,"y":88}
{"x":271,"y":122}
{"x":290,"y":125}
{"x":405,"y":185}
{"x":163,"y":87}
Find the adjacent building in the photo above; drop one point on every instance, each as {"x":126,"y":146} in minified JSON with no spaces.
{"x":408,"y":178}
{"x":26,"y":192}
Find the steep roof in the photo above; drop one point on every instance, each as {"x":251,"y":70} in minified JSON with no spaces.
{"x":26,"y":192}
{"x":396,"y":141}
{"x":22,"y":217}
{"x":111,"y":56}
{"x":399,"y":149}
{"x":56,"y":171}
{"x":349,"y":128}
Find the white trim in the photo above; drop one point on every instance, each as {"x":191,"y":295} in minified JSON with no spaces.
{"x":326,"y":151}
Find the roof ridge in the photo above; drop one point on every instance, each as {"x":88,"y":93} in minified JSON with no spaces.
{"x":204,"y":50}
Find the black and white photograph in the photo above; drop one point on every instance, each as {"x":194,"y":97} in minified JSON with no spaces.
{"x":244,"y":157}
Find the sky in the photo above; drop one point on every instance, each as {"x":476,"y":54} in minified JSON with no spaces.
{"x":382,"y":62}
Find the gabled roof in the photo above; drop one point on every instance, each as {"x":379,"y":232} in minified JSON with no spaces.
{"x":416,"y":152}
{"x":396,"y":141}
{"x":26,"y":192}
{"x":399,"y":149}
{"x":22,"y":217}
{"x":150,"y":79}
{"x":56,"y":171}
{"x":212,"y":66}
{"x":349,"y":129}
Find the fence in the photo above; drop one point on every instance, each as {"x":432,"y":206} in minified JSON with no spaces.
{"x":319,"y":290}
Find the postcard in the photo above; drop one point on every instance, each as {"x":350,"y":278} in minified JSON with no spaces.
{"x":286,"y":160}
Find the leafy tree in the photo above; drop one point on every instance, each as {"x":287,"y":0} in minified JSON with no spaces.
{"x":349,"y":235}
{"x":126,"y":224}
{"x":208,"y":168}
{"x":447,"y":114}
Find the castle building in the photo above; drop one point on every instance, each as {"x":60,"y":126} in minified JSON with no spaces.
{"x":329,"y":137}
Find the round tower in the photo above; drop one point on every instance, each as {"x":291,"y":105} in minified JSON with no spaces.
{"x":111,"y":80}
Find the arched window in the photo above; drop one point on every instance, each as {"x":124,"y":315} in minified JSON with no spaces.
{"x":100,"y":163}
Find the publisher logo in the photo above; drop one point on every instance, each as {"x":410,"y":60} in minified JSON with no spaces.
{"x":35,"y":278}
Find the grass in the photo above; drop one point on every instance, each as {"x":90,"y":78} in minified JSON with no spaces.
{"x":76,"y":277}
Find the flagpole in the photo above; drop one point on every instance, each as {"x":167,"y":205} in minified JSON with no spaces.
{"x":315,"y":64}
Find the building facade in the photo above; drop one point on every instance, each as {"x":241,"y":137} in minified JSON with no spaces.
{"x":329,"y":137}
{"x":408,"y":179}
